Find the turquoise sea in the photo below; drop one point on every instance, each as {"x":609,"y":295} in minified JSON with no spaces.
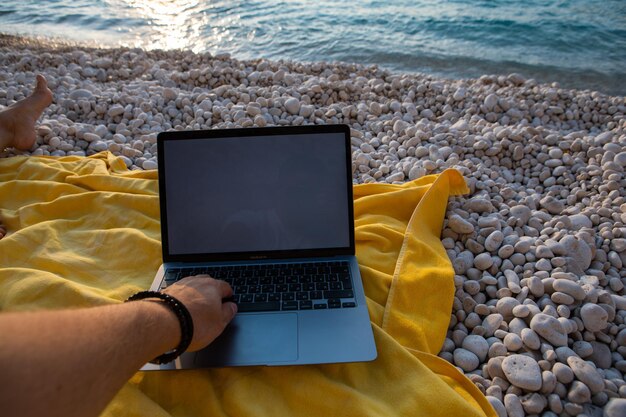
{"x":578,"y":43}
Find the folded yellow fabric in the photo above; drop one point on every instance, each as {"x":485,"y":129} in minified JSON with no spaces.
{"x":85,"y":231}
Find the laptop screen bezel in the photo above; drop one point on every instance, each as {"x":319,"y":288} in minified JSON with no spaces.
{"x":247,"y":132}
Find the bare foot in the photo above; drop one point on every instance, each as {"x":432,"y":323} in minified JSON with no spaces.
{"x":17,"y":122}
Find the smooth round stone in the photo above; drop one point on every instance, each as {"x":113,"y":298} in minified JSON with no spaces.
{"x":479,"y":205}
{"x":621,"y":337}
{"x":579,"y":393}
{"x":497,"y":405}
{"x":530,"y":339}
{"x":115,"y":110}
{"x":521,"y":311}
{"x":169,"y":94}
{"x":522,"y":371}
{"x":562,"y":298}
{"x":555,"y":404}
{"x":505,"y":306}
{"x":91,"y":137}
{"x":521,"y":212}
{"x":535,"y":285}
{"x":543,"y":265}
{"x":516,"y":326}
{"x":563,"y":373}
{"x":497,"y":349}
{"x":583,"y":349}
{"x":616,"y":407}
{"x":548,"y":380}
{"x":570,"y":288}
{"x":513,"y":406}
{"x":465,"y":359}
{"x":579,"y":221}
{"x":490,"y":102}
{"x":594,"y":317}
{"x":494,"y":240}
{"x":477,"y":345}
{"x":506,"y":251}
{"x":578,"y":254}
{"x":549,"y":328}
{"x":483,"y":261}
{"x":534,"y":403}
{"x":460,"y":225}
{"x":99,"y":146}
{"x":292,"y":105}
{"x":564,"y":352}
{"x":253,"y":110}
{"x":54,"y":141}
{"x":491,"y":323}
{"x":513,"y":342}
{"x":586,"y":374}
{"x":600,"y":355}
{"x":149,"y":164}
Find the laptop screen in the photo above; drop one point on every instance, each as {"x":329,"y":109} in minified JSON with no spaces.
{"x":255,"y":194}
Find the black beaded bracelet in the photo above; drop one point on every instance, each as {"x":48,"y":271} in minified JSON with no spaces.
{"x":184,"y":318}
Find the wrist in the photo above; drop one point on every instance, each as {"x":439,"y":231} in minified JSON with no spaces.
{"x":163,"y":321}
{"x":174,"y":313}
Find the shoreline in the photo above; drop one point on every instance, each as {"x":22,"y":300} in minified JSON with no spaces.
{"x":538,"y":246}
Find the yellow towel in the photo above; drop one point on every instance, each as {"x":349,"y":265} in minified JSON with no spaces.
{"x":85,"y":231}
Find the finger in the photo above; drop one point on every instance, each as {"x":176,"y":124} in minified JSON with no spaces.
{"x":224,"y":288}
{"x":229,"y":310}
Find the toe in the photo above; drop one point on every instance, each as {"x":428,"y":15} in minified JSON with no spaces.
{"x":42,"y":83}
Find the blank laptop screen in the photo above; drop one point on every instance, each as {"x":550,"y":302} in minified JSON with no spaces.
{"x":261,"y":193}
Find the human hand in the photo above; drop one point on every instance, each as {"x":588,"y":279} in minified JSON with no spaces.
{"x":203,"y":295}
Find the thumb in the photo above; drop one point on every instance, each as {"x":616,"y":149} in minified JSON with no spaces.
{"x":229,"y":309}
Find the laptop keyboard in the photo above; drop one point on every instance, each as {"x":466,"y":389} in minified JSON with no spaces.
{"x":281,"y":287}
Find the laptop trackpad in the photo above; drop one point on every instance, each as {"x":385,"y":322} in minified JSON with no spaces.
{"x":253,"y":339}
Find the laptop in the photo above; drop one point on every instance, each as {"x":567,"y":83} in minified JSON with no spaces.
{"x":269,"y":210}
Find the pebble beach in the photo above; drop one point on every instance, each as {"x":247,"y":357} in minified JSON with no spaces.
{"x":538,"y":246}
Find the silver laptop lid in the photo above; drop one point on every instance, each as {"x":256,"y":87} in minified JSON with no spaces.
{"x":261,"y":193}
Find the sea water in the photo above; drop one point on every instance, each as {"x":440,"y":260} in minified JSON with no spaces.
{"x":577,"y":43}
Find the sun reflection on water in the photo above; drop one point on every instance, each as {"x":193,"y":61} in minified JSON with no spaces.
{"x":177,"y":24}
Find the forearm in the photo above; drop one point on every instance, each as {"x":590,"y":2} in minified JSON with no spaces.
{"x":73,"y":362}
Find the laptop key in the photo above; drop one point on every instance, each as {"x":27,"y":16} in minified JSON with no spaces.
{"x":260,"y":298}
{"x":290,"y":305}
{"x":289,"y":296}
{"x":267,"y":306}
{"x":345,"y":281}
{"x":336,"y":286}
{"x":315,"y":295}
{"x":302,"y":296}
{"x":319,"y":306}
{"x":246,"y":298}
{"x":334,"y":303}
{"x":254,"y":289}
{"x":339,"y":294}
{"x":171,"y":276}
{"x":348,"y":304}
{"x":273,"y":297}
{"x":306,"y":305}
